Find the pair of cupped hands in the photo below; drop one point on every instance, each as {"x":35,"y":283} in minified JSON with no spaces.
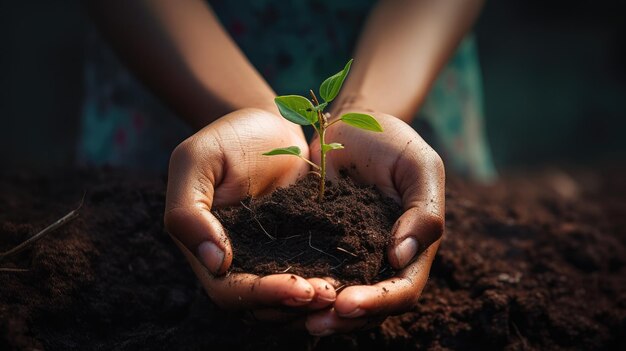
{"x":223,"y":163}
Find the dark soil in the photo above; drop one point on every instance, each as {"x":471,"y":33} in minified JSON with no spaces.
{"x":344,"y":237}
{"x":534,"y":262}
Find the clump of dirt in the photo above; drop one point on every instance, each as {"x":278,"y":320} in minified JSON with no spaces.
{"x":345,"y":236}
{"x":534,"y":262}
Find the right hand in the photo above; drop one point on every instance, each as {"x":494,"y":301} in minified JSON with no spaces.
{"x":219,"y":166}
{"x":402,"y":166}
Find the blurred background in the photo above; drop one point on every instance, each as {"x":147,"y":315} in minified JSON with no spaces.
{"x":554,"y":81}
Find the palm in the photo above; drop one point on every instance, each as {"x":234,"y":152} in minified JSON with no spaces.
{"x":374,"y":158}
{"x":242,"y":137}
{"x":367,"y":156}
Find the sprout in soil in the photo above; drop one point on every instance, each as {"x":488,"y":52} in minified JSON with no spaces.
{"x":302,"y":111}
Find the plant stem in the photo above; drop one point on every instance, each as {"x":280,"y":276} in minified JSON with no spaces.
{"x":333,"y":122}
{"x":322,"y":132}
{"x":320,"y":196}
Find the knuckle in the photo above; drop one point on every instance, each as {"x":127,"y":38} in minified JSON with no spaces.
{"x":204,"y":146}
{"x":435,"y":161}
{"x":181,"y":152}
{"x":174,"y":219}
{"x":435,"y":226}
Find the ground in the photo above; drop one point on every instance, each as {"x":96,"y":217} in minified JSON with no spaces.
{"x":536,"y":261}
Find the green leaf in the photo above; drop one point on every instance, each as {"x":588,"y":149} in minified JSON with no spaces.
{"x":332,"y":146}
{"x":331,"y":86}
{"x":296,"y":109}
{"x":291,"y":150}
{"x":363,"y":121}
{"x":321,"y":106}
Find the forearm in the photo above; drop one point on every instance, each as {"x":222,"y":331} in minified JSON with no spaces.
{"x":404,"y":45}
{"x":181,"y":52}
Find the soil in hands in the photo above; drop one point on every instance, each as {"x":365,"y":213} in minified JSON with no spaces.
{"x":344,"y":237}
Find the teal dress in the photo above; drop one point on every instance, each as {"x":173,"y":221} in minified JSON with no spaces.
{"x":294,"y":45}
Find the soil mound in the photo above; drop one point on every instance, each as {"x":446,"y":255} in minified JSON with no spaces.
{"x":345,"y":236}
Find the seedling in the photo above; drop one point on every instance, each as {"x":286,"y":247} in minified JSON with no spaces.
{"x":302,"y":111}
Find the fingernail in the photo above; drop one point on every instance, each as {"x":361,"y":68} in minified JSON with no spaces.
{"x":325,"y":332}
{"x":296,"y":301}
{"x":405,"y":251}
{"x":326,"y":299}
{"x":354,"y":314}
{"x":211,"y":256}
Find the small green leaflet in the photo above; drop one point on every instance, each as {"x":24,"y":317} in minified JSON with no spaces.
{"x":291,"y":150}
{"x":331,"y":86}
{"x":332,"y":146}
{"x":296,"y":109}
{"x":363,"y":121}
{"x":321,"y":106}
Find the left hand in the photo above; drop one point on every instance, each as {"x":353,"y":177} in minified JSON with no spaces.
{"x":219,"y":166}
{"x":402,"y":166}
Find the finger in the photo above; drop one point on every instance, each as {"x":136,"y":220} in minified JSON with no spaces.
{"x":334,"y":282}
{"x":246,"y":291}
{"x":327,"y":322}
{"x":325,"y":294}
{"x":242,"y":291}
{"x":392,"y":296}
{"x":423,"y":199}
{"x":413,"y":232}
{"x":201,"y":233}
{"x":188,"y":206}
{"x":324,"y":297}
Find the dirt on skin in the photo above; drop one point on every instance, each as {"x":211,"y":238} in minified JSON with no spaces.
{"x":533,"y":262}
{"x":344,"y":237}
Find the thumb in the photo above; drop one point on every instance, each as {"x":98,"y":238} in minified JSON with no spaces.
{"x":188,"y":203}
{"x":413,"y":233}
{"x":419,"y":177}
